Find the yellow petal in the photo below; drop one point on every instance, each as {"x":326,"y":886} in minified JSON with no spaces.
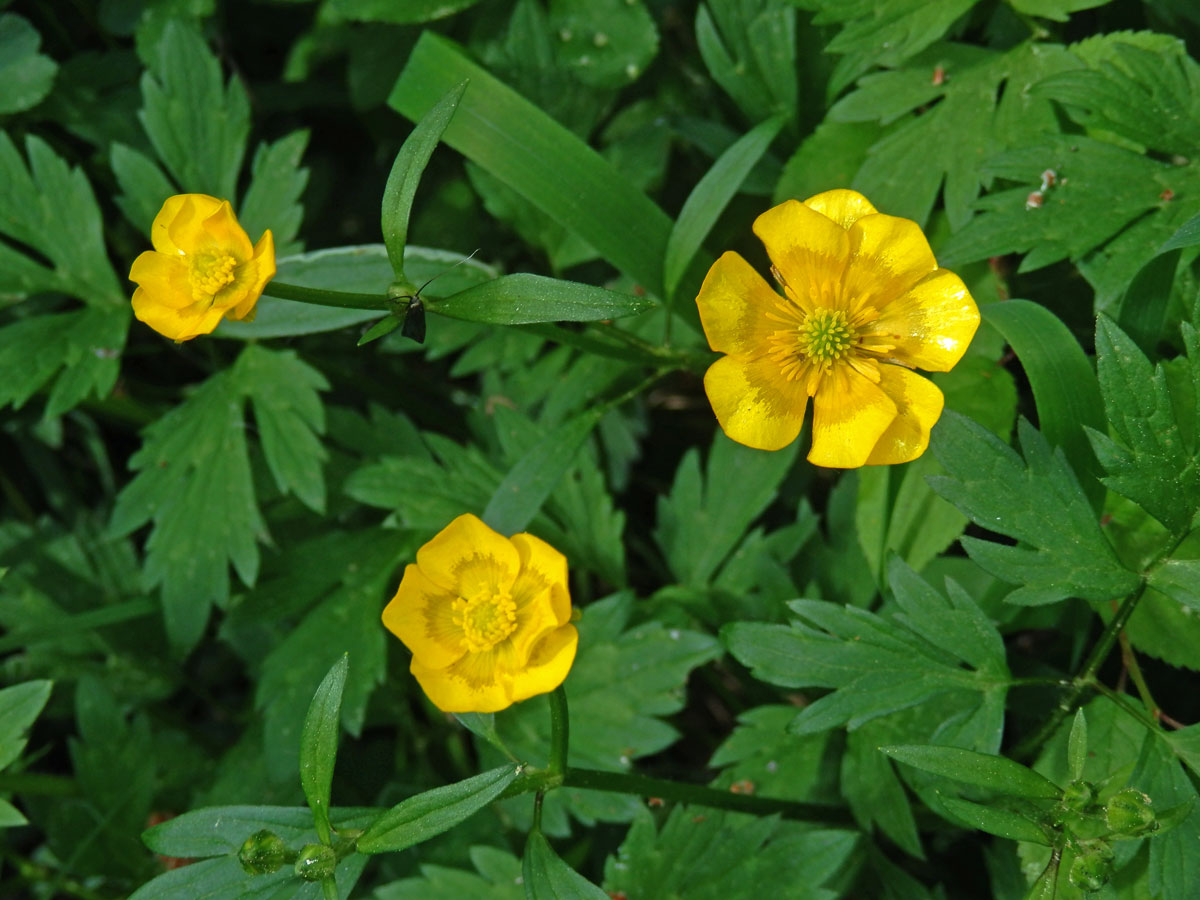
{"x":931,"y":324}
{"x":259,"y":270}
{"x":918,"y":403}
{"x":163,"y":279}
{"x":850,"y":412}
{"x":548,"y":665}
{"x":179,"y":226}
{"x":177,"y":324}
{"x":754,"y":404}
{"x":475,"y":683}
{"x":542,"y":567}
{"x":843,"y":206}
{"x":224,"y":231}
{"x":808,"y":249}
{"x":420,"y":615}
{"x":734,"y":302}
{"x":889,"y":256}
{"x":467,"y":557}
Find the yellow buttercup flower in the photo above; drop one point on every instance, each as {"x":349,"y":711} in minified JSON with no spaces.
{"x":486,"y":617}
{"x":863,"y":303}
{"x":201,"y":269}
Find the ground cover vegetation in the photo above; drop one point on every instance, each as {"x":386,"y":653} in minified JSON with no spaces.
{"x":625,"y":449}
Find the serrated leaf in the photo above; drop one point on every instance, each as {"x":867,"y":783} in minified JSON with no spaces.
{"x":1151,"y":466}
{"x":704,"y":516}
{"x":19,"y":707}
{"x":1036,"y":500}
{"x":27,"y":75}
{"x":50,"y":208}
{"x":410,"y":12}
{"x":144,"y":187}
{"x":750,"y":51}
{"x":547,"y":877}
{"x":878,"y":666}
{"x":197,"y":123}
{"x":273,"y":199}
{"x":318,"y":745}
{"x":430,"y":813}
{"x":995,"y":773}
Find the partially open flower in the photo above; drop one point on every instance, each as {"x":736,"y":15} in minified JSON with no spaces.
{"x":863,"y":304}
{"x":202,"y":268}
{"x":486,"y":617}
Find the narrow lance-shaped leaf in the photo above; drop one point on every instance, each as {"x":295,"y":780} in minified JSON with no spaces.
{"x":1077,"y":745}
{"x":318,"y":745}
{"x":547,"y":877}
{"x":428,"y":814}
{"x":994,"y":820}
{"x":711,"y":195}
{"x":523,"y":299}
{"x":406,"y":174}
{"x":996,"y":773}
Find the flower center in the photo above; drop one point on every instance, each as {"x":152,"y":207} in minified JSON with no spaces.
{"x":826,"y":336}
{"x":209,"y":272}
{"x":485,"y":620}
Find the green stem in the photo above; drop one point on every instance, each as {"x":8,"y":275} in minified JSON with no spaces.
{"x":1135,"y":673}
{"x":1085,"y":679}
{"x":645,"y":786}
{"x":34,"y":784}
{"x":1120,"y":701}
{"x":79,"y":623}
{"x":321,"y":297}
{"x":560,"y":731}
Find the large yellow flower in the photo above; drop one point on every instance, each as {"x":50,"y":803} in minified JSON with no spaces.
{"x":202,"y":268}
{"x":486,"y":617}
{"x":863,"y":303}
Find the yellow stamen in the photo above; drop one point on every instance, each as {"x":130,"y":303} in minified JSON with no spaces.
{"x":209,"y":272}
{"x":485,"y":620}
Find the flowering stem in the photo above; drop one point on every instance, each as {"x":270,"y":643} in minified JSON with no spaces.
{"x":560,"y":731}
{"x":321,"y":297}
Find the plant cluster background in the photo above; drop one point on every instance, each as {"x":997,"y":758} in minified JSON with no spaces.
{"x":970,"y":675}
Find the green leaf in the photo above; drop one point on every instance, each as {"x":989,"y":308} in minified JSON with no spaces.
{"x":1150,"y":465}
{"x":224,"y":878}
{"x":50,"y":208}
{"x":529,"y":482}
{"x":826,"y":159}
{"x":197,"y":123}
{"x":27,"y":75}
{"x":878,"y":666}
{"x":1065,"y":389}
{"x":194,"y":483}
{"x":705,"y":516}
{"x":1188,"y":235}
{"x":406,"y":174}
{"x":19,"y":707}
{"x":547,"y":877}
{"x":144,"y":187}
{"x":1143,"y":310}
{"x":430,"y":813}
{"x":273,"y":199}
{"x":522,"y":299}
{"x":515,"y":141}
{"x":711,"y":195}
{"x":995,"y":773}
{"x":499,"y":878}
{"x":994,"y":820}
{"x":780,"y":764}
{"x":1057,"y":10}
{"x":1036,"y":500}
{"x":986,"y":106}
{"x":10,"y":816}
{"x":750,"y":51}
{"x":603,"y":43}
{"x":1077,"y":745}
{"x":698,"y":854}
{"x":318,"y":744}
{"x":289,"y":415}
{"x":1178,"y":579}
{"x":410,"y":12}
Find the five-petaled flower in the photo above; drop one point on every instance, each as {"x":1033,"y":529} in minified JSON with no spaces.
{"x":202,"y":268}
{"x":863,"y":303}
{"x":486,"y":617}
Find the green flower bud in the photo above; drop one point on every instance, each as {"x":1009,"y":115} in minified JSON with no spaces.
{"x":316,"y":862}
{"x":263,"y":852}
{"x":1129,"y":812}
{"x":1079,"y":795}
{"x":1092,"y":868}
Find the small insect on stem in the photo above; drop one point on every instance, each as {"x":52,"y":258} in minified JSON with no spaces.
{"x":414,"y":313}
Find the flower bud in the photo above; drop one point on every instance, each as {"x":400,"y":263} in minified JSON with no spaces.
{"x":1092,"y":868}
{"x":316,"y":862}
{"x":1079,"y":795}
{"x":1129,"y":812}
{"x":262,"y":853}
